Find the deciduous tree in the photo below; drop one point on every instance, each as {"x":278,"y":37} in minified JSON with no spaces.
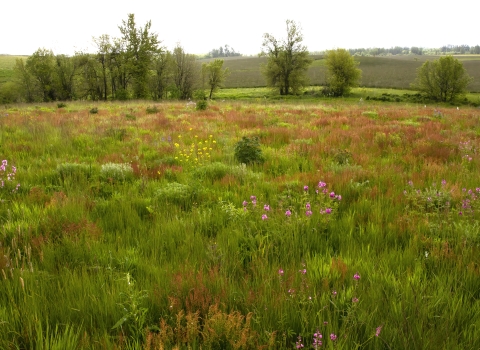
{"x":443,"y":79}
{"x":342,"y":72}
{"x":215,"y":75}
{"x":287,"y":61}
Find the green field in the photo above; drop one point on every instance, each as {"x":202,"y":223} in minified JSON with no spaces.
{"x":7,"y":62}
{"x":396,"y":72}
{"x":135,"y":226}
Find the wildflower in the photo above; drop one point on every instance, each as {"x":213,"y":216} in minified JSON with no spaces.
{"x":332,"y":194}
{"x":245,"y":203}
{"x":334,"y":293}
{"x":288,"y":213}
{"x":317,"y":339}
{"x":299,"y":344}
{"x":308,"y":213}
{"x":354,"y":300}
{"x":444,"y":182}
{"x":378,"y":330}
{"x":305,"y":188}
{"x":328,"y":210}
{"x":264,"y":217}
{"x":252,"y":198}
{"x":410,"y":183}
{"x":339,"y":197}
{"x":322,"y":184}
{"x":280,"y":272}
{"x":333,"y":337}
{"x":356,"y":276}
{"x":266,"y":207}
{"x":307,"y":206}
{"x":303,"y":272}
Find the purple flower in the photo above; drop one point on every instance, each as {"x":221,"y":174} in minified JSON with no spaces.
{"x":354,"y":300}
{"x":328,"y":210}
{"x":303,"y":272}
{"x":317,"y":339}
{"x":332,"y":194}
{"x":322,"y":184}
{"x":305,"y":188}
{"x":253,"y":198}
{"x":308,"y":213}
{"x":288,"y":213}
{"x":339,"y":197}
{"x":280,"y":272}
{"x":307,"y":206}
{"x":266,"y":207}
{"x":378,"y":330}
{"x":254,"y":202}
{"x":410,"y":183}
{"x":264,"y":217}
{"x":245,"y":203}
{"x":334,"y":293}
{"x":356,"y":276}
{"x":333,"y":337}
{"x":299,"y":344}
{"x":444,"y":182}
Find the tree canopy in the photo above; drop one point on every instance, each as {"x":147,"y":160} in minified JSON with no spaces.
{"x":343,"y":73}
{"x":288,"y":61}
{"x":444,"y":79}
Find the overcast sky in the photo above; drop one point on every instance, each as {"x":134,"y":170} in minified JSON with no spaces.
{"x":199,"y":26}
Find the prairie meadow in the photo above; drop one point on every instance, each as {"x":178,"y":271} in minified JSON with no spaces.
{"x":136,"y":226}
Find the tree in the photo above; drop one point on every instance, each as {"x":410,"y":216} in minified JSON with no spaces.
{"x":287,"y":61}
{"x":443,"y":80}
{"x":41,"y":65}
{"x":342,"y":72}
{"x":185,"y":73}
{"x":214,"y":74}
{"x":140,"y":47}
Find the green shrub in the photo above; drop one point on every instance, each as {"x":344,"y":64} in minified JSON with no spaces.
{"x":248,"y":151}
{"x":116,"y":172}
{"x":94,"y":110}
{"x":151,"y":110}
{"x":201,"y":105}
{"x":61,"y":105}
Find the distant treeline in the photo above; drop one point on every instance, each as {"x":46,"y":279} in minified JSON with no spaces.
{"x":225,"y":51}
{"x":414,"y":50}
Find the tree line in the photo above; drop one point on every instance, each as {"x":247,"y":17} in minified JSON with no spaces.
{"x":135,"y":66}
{"x":415,"y":50}
{"x":132,"y":66}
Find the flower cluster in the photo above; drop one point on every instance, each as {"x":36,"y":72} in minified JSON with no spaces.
{"x":7,"y":176}
{"x":197,"y":153}
{"x":326,"y":202}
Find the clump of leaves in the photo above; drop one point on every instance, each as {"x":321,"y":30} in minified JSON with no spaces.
{"x":61,"y":105}
{"x":116,"y":172}
{"x":248,"y":151}
{"x":152,"y":110}
{"x":94,"y":110}
{"x":201,"y":105}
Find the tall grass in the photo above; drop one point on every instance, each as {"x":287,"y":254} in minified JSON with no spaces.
{"x":126,"y":233}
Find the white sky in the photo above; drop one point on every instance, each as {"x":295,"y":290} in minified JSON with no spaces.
{"x":199,"y":26}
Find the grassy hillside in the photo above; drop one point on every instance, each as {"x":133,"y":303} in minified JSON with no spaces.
{"x":7,"y":63}
{"x":131,"y":226}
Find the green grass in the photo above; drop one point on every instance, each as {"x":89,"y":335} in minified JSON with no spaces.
{"x":142,"y":233}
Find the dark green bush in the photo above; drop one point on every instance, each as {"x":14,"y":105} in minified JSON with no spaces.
{"x":248,"y":151}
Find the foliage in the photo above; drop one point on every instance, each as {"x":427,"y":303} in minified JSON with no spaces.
{"x":248,"y":151}
{"x":214,"y":75}
{"x":184,"y":72}
{"x":343,"y":73}
{"x":444,"y":79}
{"x":287,"y":61}
{"x":116,"y":172}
